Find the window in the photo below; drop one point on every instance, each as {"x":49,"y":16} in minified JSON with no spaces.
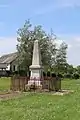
{"x":13,"y":67}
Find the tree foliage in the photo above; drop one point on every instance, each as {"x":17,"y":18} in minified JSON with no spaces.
{"x":26,"y":36}
{"x":60,"y":58}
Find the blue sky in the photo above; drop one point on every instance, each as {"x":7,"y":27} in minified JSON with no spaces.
{"x":63,"y":16}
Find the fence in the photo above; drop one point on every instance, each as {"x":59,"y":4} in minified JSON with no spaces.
{"x":50,"y":83}
{"x":18,"y":83}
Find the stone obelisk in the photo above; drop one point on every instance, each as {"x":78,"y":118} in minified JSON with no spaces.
{"x":36,"y":67}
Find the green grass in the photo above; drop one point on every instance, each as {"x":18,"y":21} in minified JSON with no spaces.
{"x":4,"y":83}
{"x":44,"y":106}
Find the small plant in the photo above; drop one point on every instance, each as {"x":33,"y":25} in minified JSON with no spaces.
{"x":48,"y":74}
{"x":76,"y":76}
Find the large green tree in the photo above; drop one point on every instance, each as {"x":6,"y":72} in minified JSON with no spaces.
{"x":53,"y":58}
{"x":70,"y":69}
{"x":60,"y":58}
{"x":26,"y":36}
{"x":78,"y":69}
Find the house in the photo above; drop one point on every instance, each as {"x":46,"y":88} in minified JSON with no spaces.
{"x":8,"y":63}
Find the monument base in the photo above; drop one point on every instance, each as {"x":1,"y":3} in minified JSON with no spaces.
{"x":34,"y":84}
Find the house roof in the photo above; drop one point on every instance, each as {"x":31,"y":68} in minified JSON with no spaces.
{"x":8,"y":58}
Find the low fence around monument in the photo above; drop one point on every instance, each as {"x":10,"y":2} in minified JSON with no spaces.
{"x":18,"y":83}
{"x":50,"y":83}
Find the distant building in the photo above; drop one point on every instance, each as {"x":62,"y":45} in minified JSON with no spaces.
{"x":8,"y":63}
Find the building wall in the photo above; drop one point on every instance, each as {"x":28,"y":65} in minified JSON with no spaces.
{"x":14,"y":66}
{"x":8,"y":67}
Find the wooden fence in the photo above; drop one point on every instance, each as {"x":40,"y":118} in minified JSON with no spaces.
{"x":50,"y":83}
{"x":18,"y":83}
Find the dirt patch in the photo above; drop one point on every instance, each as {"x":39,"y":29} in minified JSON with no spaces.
{"x":9,"y":95}
{"x":12,"y":95}
{"x":63,"y":92}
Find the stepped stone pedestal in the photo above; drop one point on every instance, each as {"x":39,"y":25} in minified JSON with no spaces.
{"x":36,"y":67}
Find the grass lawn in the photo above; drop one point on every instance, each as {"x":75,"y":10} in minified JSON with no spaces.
{"x":4,"y":83}
{"x":36,"y":106}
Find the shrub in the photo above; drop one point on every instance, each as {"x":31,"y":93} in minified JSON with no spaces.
{"x":60,"y":75}
{"x":76,"y":76}
{"x":48,"y":74}
{"x":22,"y":73}
{"x":68,"y":75}
{"x":53,"y":75}
{"x":44,"y":74}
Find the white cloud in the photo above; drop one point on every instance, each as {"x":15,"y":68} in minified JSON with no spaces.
{"x":7,"y":45}
{"x":69,"y":46}
{"x":73,"y":50}
{"x":67,"y":3}
{"x":58,"y":4}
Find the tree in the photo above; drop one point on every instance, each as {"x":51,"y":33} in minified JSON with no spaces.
{"x":26,"y":36}
{"x":60,"y":58}
{"x":70,"y":69}
{"x":78,"y":69}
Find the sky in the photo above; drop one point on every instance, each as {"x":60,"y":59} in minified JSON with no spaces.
{"x":63,"y":16}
